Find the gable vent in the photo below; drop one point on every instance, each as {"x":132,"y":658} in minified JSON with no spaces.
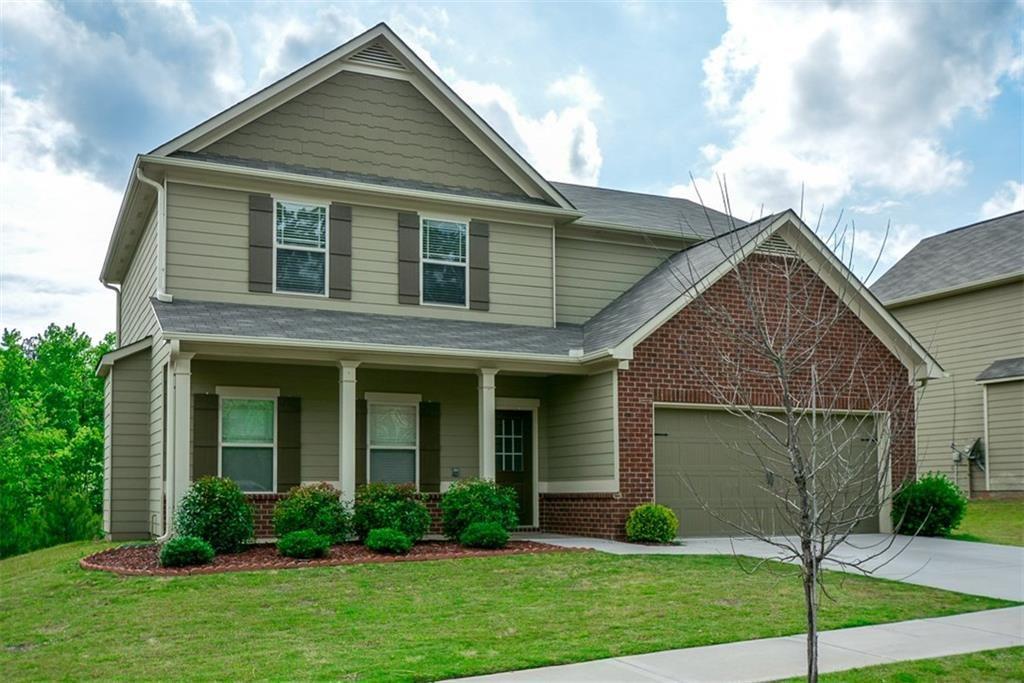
{"x":377,"y":55}
{"x":775,"y":246}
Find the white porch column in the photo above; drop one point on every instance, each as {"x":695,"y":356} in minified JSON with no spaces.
{"x":181,"y":369}
{"x":347,"y":428}
{"x":486,"y":410}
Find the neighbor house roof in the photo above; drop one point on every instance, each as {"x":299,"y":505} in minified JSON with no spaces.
{"x":619,"y":209}
{"x":965,"y":257}
{"x":1006,"y":368}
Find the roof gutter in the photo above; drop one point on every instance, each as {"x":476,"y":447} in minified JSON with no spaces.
{"x":161,"y":234}
{"x":117,"y":323}
{"x":957,"y":289}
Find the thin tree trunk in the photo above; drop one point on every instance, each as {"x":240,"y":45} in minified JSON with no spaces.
{"x":810,"y":600}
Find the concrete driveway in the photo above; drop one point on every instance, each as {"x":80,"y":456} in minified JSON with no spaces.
{"x":995,"y":571}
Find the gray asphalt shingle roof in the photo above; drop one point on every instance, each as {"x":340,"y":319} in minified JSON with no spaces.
{"x":647,"y":212}
{"x":960,"y":257}
{"x":1002,"y":369}
{"x":304,"y":324}
{"x":663,"y":285}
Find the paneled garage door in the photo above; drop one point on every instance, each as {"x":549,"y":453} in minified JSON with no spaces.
{"x":698,"y":458}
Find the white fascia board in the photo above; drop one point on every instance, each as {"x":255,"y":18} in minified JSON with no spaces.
{"x":127,"y":199}
{"x":111,"y":357}
{"x":1000,"y":380}
{"x":355,"y":186}
{"x":945,"y":292}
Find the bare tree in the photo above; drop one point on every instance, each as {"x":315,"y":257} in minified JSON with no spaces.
{"x":828,"y":410}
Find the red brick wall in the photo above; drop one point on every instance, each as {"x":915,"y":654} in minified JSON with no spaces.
{"x":674,"y":363}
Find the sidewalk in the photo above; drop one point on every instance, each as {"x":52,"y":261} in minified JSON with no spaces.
{"x":775,"y":658}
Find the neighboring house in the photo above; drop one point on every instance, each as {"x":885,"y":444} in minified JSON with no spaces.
{"x":961,"y":294}
{"x":350,"y":277}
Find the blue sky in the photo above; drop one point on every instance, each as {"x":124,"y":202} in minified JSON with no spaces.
{"x":902,"y":113}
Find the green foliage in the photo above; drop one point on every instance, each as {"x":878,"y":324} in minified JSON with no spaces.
{"x":484,"y":535}
{"x":651,"y":523}
{"x":317,"y":507}
{"x":51,"y":438}
{"x":304,"y":544}
{"x":931,"y":506}
{"x":380,"y":506}
{"x":387,"y":540}
{"x":216,"y":510}
{"x":185,"y":551}
{"x":474,"y":500}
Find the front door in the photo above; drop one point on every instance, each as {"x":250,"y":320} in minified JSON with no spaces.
{"x":513,"y":452}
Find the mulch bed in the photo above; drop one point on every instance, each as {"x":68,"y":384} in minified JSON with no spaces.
{"x":142,"y":560}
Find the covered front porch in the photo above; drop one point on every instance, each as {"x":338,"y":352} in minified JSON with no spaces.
{"x":272,"y":419}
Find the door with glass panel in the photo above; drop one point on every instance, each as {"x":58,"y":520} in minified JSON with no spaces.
{"x":513,"y":452}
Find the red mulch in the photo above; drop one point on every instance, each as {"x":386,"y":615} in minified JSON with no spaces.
{"x":142,"y":560}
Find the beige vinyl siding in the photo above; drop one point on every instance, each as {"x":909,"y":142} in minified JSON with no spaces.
{"x":158,"y":372}
{"x":965,"y":333}
{"x":208,"y":259}
{"x":1006,"y":436}
{"x":591,"y":274}
{"x":127,"y":510}
{"x":140,"y":283}
{"x":316,"y":386}
{"x":357,"y":123}
{"x":580,"y":428}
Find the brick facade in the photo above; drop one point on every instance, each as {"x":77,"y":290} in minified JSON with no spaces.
{"x":674,"y":364}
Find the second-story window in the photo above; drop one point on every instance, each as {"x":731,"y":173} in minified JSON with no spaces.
{"x":443,"y":267}
{"x":300,"y":247}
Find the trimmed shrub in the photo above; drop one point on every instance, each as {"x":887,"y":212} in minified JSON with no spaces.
{"x":317,"y":507}
{"x":304,"y":544}
{"x":484,"y":535}
{"x":651,"y":523}
{"x":390,"y":506}
{"x":185,"y":551}
{"x":931,"y":506}
{"x":215,"y":510}
{"x":471,"y":501}
{"x":388,"y":540}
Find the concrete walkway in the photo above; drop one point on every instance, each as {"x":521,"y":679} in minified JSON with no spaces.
{"x":995,"y":571}
{"x":775,"y":658}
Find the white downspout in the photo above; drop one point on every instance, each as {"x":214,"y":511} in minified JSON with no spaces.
{"x":161,"y":235}
{"x":117,"y":322}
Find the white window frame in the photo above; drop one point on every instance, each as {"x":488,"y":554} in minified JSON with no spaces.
{"x":246,"y":393}
{"x":326,"y":249}
{"x":388,"y":399}
{"x":465,"y":264}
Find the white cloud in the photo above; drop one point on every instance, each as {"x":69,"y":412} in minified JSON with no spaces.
{"x":870,"y":246}
{"x":292,"y":42}
{"x":875,"y":207}
{"x":53,"y":228}
{"x":562,"y":144}
{"x":1007,"y":199}
{"x":838,"y":97}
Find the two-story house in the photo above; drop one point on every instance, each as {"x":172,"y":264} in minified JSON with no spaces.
{"x":350,"y":277}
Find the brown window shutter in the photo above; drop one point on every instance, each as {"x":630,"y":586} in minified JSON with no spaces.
{"x":479,"y":265}
{"x":341,"y":251}
{"x":430,"y":446}
{"x":261,"y":243}
{"x":408,"y":258}
{"x":289,"y":442}
{"x":360,"y":442}
{"x":205,"y":435}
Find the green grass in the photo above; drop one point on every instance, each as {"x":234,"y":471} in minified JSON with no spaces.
{"x":993,"y":521}
{"x":991,"y":665}
{"x":416,"y":620}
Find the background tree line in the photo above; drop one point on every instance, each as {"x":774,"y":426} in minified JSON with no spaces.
{"x":51,"y":438}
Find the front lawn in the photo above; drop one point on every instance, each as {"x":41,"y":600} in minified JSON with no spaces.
{"x":991,"y":665}
{"x":992,"y":521}
{"x":415,"y":620}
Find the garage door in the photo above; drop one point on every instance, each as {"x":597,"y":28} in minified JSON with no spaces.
{"x":699,"y":457}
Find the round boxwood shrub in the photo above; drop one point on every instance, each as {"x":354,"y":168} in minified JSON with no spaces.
{"x":215,"y":510}
{"x":651,"y":523}
{"x":484,"y":535}
{"x":304,"y":544}
{"x":317,"y":507}
{"x":388,"y":540}
{"x":390,"y":506}
{"x":471,"y":501}
{"x":185,"y":551}
{"x":931,"y":506}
